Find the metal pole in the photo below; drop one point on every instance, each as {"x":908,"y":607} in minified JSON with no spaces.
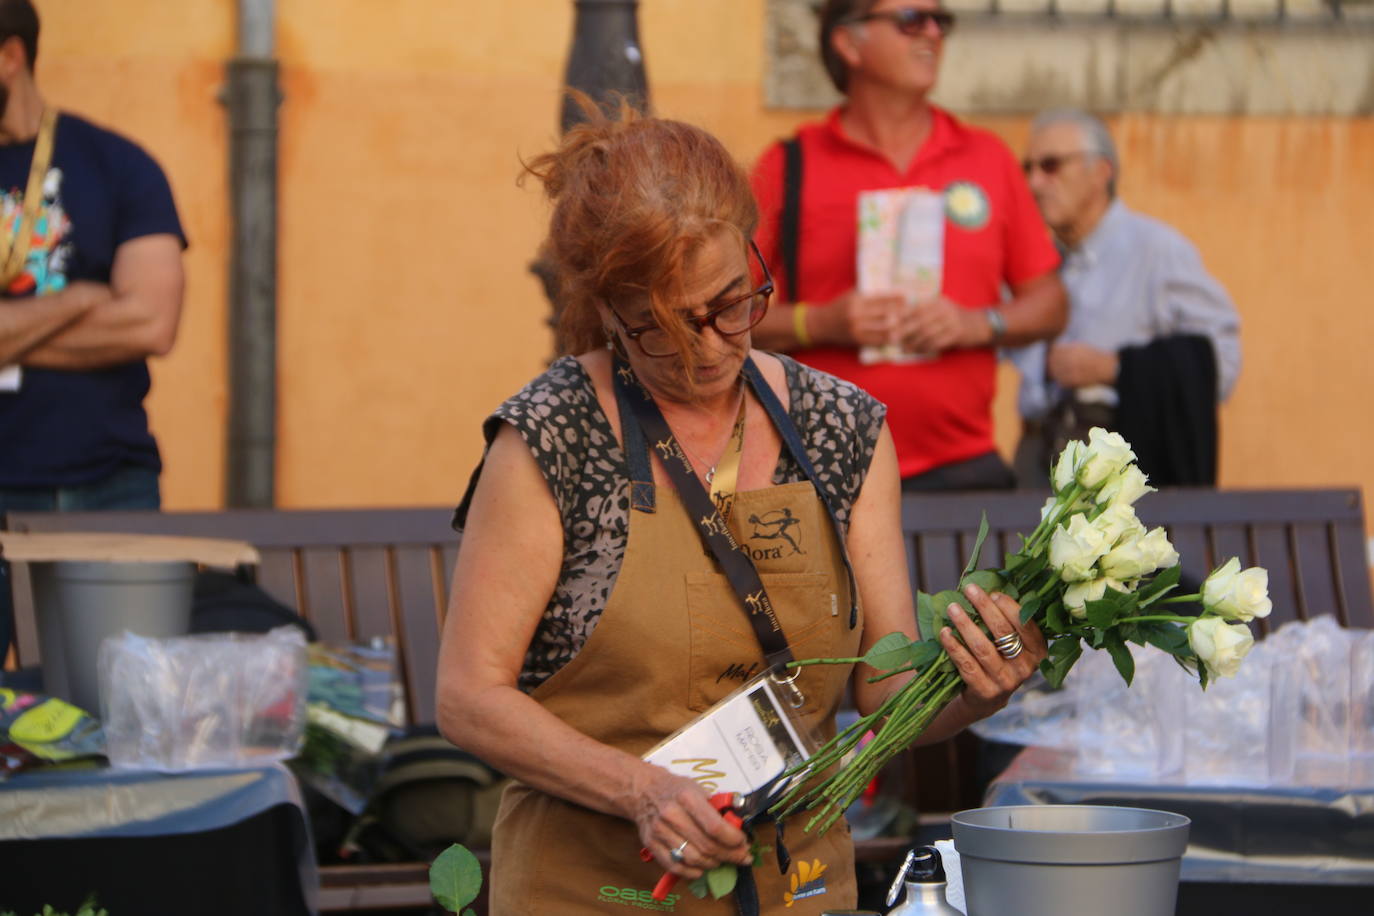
{"x":605,"y":58}
{"x":252,"y":97}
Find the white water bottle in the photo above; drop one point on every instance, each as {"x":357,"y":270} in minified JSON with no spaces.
{"x":923,"y":873}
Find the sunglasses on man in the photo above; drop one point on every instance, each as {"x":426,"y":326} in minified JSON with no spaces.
{"x":1049,"y":164}
{"x":912,"y":21}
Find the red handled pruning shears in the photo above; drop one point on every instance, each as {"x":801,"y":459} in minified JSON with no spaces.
{"x":724,"y":802}
{"x":735,"y":808}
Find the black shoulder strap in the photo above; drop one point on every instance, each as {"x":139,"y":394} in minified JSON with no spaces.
{"x":788,"y":232}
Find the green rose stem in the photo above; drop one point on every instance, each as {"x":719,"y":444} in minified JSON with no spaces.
{"x":908,"y":711}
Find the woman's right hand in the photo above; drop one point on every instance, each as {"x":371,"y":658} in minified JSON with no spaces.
{"x":668,"y":809}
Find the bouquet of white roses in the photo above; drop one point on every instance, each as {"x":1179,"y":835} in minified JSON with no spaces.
{"x":1089,"y":574}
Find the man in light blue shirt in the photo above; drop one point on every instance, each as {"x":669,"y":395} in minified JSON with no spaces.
{"x":1152,"y":343}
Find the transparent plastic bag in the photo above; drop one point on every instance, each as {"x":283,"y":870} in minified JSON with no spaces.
{"x":1310,"y":737}
{"x":193,"y":702}
{"x":1130,"y":732}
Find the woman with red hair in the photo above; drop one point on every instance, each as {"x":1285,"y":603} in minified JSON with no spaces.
{"x":625,"y":495}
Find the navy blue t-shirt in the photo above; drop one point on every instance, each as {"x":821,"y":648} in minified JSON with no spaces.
{"x":63,"y":428}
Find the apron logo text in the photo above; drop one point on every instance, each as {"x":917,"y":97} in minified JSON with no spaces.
{"x":776,"y":526}
{"x":634,"y":897}
{"x":738,"y":672}
{"x":807,"y":881}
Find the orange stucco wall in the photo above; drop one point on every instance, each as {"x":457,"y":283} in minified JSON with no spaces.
{"x":406,"y":308}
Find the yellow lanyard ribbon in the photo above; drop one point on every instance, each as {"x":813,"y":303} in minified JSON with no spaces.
{"x":14,"y":247}
{"x":726,"y":473}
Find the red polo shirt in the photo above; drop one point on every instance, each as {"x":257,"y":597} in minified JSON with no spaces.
{"x":940,"y":411}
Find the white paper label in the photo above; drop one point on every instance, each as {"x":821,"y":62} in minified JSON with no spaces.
{"x":738,"y":746}
{"x":10,"y":378}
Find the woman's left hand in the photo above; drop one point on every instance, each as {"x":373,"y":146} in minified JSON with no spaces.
{"x":990,"y":678}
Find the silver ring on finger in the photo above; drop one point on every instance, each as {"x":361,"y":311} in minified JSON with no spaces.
{"x":676,"y":854}
{"x":1011,"y":649}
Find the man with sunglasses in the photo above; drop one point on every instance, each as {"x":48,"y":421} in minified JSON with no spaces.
{"x":884,"y":55}
{"x":1152,"y":342}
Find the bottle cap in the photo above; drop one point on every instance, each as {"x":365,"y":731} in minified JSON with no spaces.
{"x":926,"y":866}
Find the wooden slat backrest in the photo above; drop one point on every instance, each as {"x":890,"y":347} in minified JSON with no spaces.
{"x":354,"y":573}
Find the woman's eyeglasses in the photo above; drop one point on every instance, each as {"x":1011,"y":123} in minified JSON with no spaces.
{"x":1049,"y":164}
{"x":912,"y":21}
{"x":728,"y":319}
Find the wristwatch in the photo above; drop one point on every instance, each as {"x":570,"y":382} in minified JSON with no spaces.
{"x":996,"y":322}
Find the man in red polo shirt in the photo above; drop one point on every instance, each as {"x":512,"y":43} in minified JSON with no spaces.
{"x":885,"y":56}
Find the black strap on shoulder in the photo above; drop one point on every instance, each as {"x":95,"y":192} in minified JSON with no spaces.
{"x":789,"y":239}
{"x":792,"y":440}
{"x":636,"y":450}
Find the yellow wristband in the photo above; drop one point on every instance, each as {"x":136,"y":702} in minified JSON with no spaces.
{"x":799,"y":325}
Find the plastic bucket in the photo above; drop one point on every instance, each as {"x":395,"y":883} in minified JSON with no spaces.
{"x":77,"y":604}
{"x":1038,"y":860}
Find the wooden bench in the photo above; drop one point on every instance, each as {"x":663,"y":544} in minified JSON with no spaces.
{"x":360,"y":573}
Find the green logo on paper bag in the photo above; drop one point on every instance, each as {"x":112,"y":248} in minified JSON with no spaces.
{"x":966,"y":205}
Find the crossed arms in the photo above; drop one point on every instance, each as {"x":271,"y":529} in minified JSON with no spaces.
{"x":93,"y":325}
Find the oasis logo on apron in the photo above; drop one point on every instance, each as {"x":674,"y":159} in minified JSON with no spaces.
{"x":636,"y":898}
{"x":778,"y":534}
{"x":807,"y":881}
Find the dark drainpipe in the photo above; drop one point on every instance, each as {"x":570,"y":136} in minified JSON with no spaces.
{"x":252,"y":97}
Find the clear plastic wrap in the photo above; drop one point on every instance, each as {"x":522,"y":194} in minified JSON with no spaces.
{"x":1300,"y":713}
{"x":193,"y":702}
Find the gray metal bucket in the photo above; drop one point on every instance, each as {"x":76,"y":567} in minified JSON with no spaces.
{"x":77,"y":604}
{"x":1047,"y":860}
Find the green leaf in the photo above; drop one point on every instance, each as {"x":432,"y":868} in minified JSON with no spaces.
{"x":925,"y":652}
{"x":1160,"y":585}
{"x":1121,"y":656}
{"x":469,"y":912}
{"x":721,"y":880}
{"x":455,"y":878}
{"x":1030,"y":607}
{"x":977,"y":546}
{"x":699,"y":887}
{"x":987,"y":579}
{"x":1170,"y":637}
{"x":1056,"y":618}
{"x":892,"y":651}
{"x":926,"y":618}
{"x":1102,"y":612}
{"x":1062,"y":655}
{"x":942,"y":601}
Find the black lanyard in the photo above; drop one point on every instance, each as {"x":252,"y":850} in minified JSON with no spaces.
{"x":640,"y":415}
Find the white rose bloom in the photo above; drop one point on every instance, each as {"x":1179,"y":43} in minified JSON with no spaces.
{"x":1156,"y":545}
{"x":1117,"y":522}
{"x":1238,"y":594}
{"x":1220,"y":645}
{"x":1106,"y":454}
{"x":1125,"y":488}
{"x":1139,"y":555}
{"x":1067,"y":465}
{"x":1075,"y":550}
{"x":1077,"y":596}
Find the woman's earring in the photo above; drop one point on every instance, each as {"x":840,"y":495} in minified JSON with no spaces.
{"x":610,"y":337}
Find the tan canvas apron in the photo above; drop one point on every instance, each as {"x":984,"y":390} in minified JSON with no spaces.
{"x":672,"y":641}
